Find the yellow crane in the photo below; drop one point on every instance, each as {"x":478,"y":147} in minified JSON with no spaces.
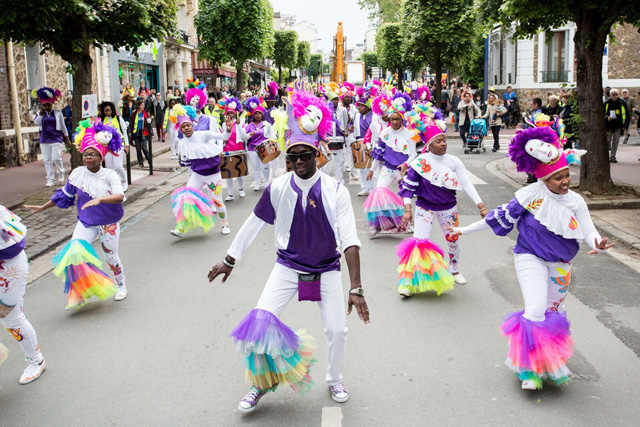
{"x":338,"y":70}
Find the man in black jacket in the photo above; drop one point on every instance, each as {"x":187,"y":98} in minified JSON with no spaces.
{"x":617,"y":120}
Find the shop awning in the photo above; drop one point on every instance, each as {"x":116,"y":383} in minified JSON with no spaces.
{"x":202,"y":67}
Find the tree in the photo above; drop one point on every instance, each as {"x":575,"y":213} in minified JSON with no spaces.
{"x":223,"y":25}
{"x":436,"y":32}
{"x":285,"y":51}
{"x":370,"y":60}
{"x":390,"y":54}
{"x":70,"y":28}
{"x":594,"y":20}
{"x":315,"y":66}
{"x":382,"y":10}
{"x":304,"y":55}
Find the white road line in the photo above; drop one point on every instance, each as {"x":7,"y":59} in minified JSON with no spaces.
{"x":475,"y":180}
{"x":331,"y":416}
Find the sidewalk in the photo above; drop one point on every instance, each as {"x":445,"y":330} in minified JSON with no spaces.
{"x":25,"y":185}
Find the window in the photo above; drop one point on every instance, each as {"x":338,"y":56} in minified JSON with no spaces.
{"x":182,"y":18}
{"x":556,"y":58}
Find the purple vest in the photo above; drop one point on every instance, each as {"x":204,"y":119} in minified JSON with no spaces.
{"x":429,"y":196}
{"x":49,"y":134}
{"x":203,"y":123}
{"x":12,"y":251}
{"x":206,"y":166}
{"x":256,"y":139}
{"x":365,"y":122}
{"x":103,"y":214}
{"x":393,"y":159}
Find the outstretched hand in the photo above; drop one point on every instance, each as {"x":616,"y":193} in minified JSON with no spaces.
{"x":361,"y":307}
{"x":453,"y":231}
{"x":217,"y":270}
{"x":92,"y":202}
{"x":602,"y":246}
{"x":34,"y":208}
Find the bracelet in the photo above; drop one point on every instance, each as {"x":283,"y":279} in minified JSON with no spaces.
{"x":227,"y":263}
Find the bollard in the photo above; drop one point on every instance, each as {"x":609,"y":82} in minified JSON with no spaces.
{"x":129,"y":165}
{"x":150,"y":155}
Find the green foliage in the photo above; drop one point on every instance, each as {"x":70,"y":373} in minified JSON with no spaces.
{"x":67,"y":27}
{"x":470,"y":67}
{"x":390,"y":42}
{"x":285,"y":51}
{"x":315,"y":65}
{"x":370,"y":60}
{"x":304,"y":54}
{"x":382,"y":10}
{"x":235,"y":31}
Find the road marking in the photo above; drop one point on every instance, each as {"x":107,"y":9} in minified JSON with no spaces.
{"x":331,"y":416}
{"x":474,"y":179}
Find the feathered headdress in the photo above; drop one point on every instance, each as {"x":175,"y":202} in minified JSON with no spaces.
{"x":381,"y":104}
{"x":364,"y":96}
{"x":194,"y":93}
{"x":180,"y":114}
{"x":400,"y":103}
{"x":428,"y":121}
{"x":46,"y":95}
{"x":347,"y":88}
{"x":309,"y":120}
{"x":254,"y":104}
{"x":101,"y":137}
{"x":423,"y":94}
{"x":231,"y":104}
{"x":272,"y":89}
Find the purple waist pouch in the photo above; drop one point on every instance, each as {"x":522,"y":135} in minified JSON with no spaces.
{"x":309,"y":287}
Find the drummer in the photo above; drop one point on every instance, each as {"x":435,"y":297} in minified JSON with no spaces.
{"x":348,"y":91}
{"x":254,"y":134}
{"x":232,"y":107}
{"x":336,"y":136}
{"x":271,"y":99}
{"x":361,"y":125}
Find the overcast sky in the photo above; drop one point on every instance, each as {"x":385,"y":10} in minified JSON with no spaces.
{"x":325,"y":14}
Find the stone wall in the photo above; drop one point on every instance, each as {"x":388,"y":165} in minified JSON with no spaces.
{"x":9,"y":151}
{"x":624,"y":53}
{"x":5,"y":100}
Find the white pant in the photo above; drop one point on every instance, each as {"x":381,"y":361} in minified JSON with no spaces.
{"x":364,"y":184}
{"x":544,"y":285}
{"x":13,"y":283}
{"x":338,"y":164}
{"x":213,"y":185}
{"x":275,"y":167}
{"x":283,"y":285}
{"x":260,"y":170}
{"x":240,"y":181}
{"x":449,"y":218}
{"x":114,"y":162}
{"x":388,"y":177}
{"x":52,"y":157}
{"x":173,"y":139}
{"x":347,"y":148}
{"x":109,"y":240}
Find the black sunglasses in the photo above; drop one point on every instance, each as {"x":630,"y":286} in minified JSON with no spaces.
{"x":305,"y":157}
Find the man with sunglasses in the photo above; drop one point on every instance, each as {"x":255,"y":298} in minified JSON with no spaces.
{"x":312,"y":216}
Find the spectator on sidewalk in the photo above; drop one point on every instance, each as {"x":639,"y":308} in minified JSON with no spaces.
{"x":468,"y":111}
{"x":128,"y":88}
{"x":553,"y":108}
{"x":535,"y":107}
{"x":445,"y":101}
{"x":170,"y":129}
{"x":158,"y":105}
{"x":149,"y":109}
{"x":67,"y":112}
{"x":139,"y":132}
{"x":455,"y":100}
{"x":617,"y":120}
{"x":566,"y":114}
{"x":632,"y":105}
{"x":495,"y":112}
{"x":210,"y":108}
{"x":477,"y":98}
{"x":177,"y":94}
{"x":125,"y":105}
{"x":510,"y":98}
{"x":52,"y":132}
{"x":143,"y":88}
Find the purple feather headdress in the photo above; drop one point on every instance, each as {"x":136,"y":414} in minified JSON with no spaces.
{"x":116,"y":139}
{"x":231,"y":104}
{"x":400,"y":103}
{"x":301,"y":100}
{"x":46,"y":95}
{"x":518,"y":153}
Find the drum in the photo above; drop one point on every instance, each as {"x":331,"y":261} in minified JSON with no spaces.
{"x":336,"y":145}
{"x":268,"y":151}
{"x":233,"y":164}
{"x":361,"y":155}
{"x":321,"y":159}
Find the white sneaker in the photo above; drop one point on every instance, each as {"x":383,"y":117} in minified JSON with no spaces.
{"x":339,"y":392}
{"x":229,"y":198}
{"x":528,"y":385}
{"x":33,"y":371}
{"x":176,"y":233}
{"x":174,"y":157}
{"x":77,"y":306}
{"x":122,"y":293}
{"x":373,"y":231}
{"x":61,"y":179}
{"x":354,"y":176}
{"x":459,"y":278}
{"x":50,"y":184}
{"x":226,"y":230}
{"x":241,"y":193}
{"x":363,"y":193}
{"x":251,"y":399}
{"x":405,"y":293}
{"x":257,"y":187}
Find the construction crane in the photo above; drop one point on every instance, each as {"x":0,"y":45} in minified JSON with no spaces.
{"x":338,"y":70}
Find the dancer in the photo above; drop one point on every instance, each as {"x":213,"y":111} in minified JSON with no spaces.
{"x":52,"y":132}
{"x":395,"y":150}
{"x":14,"y":269}
{"x":348,"y":91}
{"x":434,"y":177}
{"x":108,"y":116}
{"x":196,"y":98}
{"x":234,"y":143}
{"x":99,"y":205}
{"x":271,"y":99}
{"x":201,"y":152}
{"x":170,"y":129}
{"x":336,"y":136}
{"x":361,"y":124}
{"x":551,"y":221}
{"x":312,"y":216}
{"x":257,"y":132}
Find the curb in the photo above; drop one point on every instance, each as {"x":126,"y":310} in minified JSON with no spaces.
{"x":36,"y":251}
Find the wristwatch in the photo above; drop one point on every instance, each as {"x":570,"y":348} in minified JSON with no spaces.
{"x":357,"y":291}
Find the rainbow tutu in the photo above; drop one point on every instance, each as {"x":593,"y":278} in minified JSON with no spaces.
{"x":273,"y":352}
{"x":539,"y":350}
{"x":192,"y":209}
{"x":384,"y":209}
{"x":79,"y":265}
{"x":422,"y":268}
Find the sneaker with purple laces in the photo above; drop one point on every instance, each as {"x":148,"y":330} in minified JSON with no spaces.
{"x":339,"y":392}
{"x":251,"y":399}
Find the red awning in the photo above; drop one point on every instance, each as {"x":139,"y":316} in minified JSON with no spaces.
{"x":202,"y":67}
{"x":222,"y":72}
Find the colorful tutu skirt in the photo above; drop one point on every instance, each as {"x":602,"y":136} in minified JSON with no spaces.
{"x":539,"y":350}
{"x":384,"y":209}
{"x":273,"y":352}
{"x":79,"y":265}
{"x":422,"y":268}
{"x":192,"y":209}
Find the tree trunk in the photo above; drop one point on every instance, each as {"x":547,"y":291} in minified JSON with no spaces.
{"x":240,"y":77}
{"x":279,"y":75}
{"x":400,"y":86}
{"x":437,"y":66}
{"x":82,"y":79}
{"x":590,"y":39}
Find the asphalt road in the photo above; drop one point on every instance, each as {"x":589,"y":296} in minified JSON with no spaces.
{"x":162,"y":356}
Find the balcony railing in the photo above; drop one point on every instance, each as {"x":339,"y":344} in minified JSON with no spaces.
{"x":183,"y":37}
{"x":555,"y":76}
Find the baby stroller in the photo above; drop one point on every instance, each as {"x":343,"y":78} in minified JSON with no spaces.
{"x":475,"y":137}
